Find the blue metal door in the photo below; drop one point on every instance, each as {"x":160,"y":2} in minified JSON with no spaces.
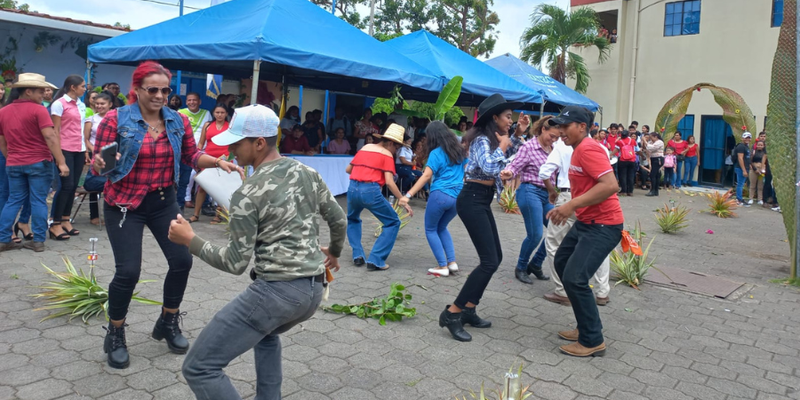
{"x":714,"y":149}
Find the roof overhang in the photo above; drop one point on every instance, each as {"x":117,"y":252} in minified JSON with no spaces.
{"x":49,"y":23}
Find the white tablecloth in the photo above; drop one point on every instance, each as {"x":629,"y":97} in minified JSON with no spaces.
{"x":331,"y":168}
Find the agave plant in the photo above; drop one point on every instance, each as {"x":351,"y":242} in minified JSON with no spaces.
{"x":404,"y":216}
{"x":517,"y":392}
{"x":508,"y":200}
{"x":672,"y":219}
{"x":722,"y":204}
{"x":77,"y":294}
{"x":630,"y":268}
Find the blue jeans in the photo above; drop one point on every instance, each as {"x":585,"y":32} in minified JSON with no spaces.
{"x":27,"y":184}
{"x":361,"y":195}
{"x":25,"y":216}
{"x":577,"y":259}
{"x":676,"y":179}
{"x":534,"y":203}
{"x":740,"y":178}
{"x":255,"y":318}
{"x":688,"y":172}
{"x":407,"y":176}
{"x":94,"y":183}
{"x":669,"y":176}
{"x":183,"y":182}
{"x":440,"y":211}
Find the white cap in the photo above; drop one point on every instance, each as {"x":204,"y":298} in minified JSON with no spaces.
{"x":747,"y":135}
{"x":249,"y":121}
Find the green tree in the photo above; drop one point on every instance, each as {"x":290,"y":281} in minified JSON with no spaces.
{"x":14,"y":5}
{"x":401,"y":16}
{"x":553,"y":32}
{"x":467,"y":24}
{"x":121,"y":25}
{"x":346,"y":10}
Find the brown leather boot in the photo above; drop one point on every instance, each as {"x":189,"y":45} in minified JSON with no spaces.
{"x":578,"y":350}
{"x":601,"y":301}
{"x":569,"y":335}
{"x":558,"y":299}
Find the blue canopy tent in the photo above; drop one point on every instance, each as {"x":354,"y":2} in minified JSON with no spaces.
{"x":480,"y":80}
{"x":552,"y":90}
{"x":290,"y":41}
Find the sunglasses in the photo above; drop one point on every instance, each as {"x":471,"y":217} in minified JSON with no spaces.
{"x":152,"y":90}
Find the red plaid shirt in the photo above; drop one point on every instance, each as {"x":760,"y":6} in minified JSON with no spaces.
{"x":154,"y":167}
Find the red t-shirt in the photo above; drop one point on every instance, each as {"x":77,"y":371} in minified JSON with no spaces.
{"x":611,"y":142}
{"x":692,"y":151}
{"x":291,"y":144}
{"x":589,"y":163}
{"x":21,"y":123}
{"x":679,"y":147}
{"x":211,"y":148}
{"x":369,"y":166}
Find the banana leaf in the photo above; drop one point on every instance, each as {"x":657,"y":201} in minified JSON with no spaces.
{"x":448,"y":97}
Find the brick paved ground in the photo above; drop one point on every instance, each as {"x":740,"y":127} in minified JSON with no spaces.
{"x":663,"y":344}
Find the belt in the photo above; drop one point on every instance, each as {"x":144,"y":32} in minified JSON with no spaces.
{"x":316,"y":278}
{"x":564,"y":190}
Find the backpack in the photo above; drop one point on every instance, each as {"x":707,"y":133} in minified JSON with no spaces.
{"x":627,"y":150}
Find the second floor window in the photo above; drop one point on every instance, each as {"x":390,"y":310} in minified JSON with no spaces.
{"x":682,"y":18}
{"x":777,"y":12}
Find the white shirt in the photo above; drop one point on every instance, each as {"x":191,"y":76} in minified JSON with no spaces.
{"x":558,"y":160}
{"x":406,"y":153}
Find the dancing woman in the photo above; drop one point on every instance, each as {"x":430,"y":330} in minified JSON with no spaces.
{"x":446,"y":167}
{"x":487,"y":142}
{"x":140,"y":191}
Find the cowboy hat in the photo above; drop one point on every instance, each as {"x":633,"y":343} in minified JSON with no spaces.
{"x":31,"y":80}
{"x":394,"y":133}
{"x":494,"y":105}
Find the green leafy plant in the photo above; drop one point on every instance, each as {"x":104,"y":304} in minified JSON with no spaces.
{"x":722,"y":204}
{"x":446,"y":100}
{"x":630,"y":268}
{"x":404,"y":216}
{"x":393,"y":307}
{"x":517,"y":392}
{"x":508,"y":200}
{"x":672,"y":219}
{"x":77,"y":294}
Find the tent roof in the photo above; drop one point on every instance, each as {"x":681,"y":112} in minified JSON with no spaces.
{"x":553,"y":90}
{"x":480,"y":80}
{"x":293,"y":38}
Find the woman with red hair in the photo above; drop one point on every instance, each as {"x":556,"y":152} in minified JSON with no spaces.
{"x":152,"y":142}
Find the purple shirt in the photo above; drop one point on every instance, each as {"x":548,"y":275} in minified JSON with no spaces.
{"x":527,"y":161}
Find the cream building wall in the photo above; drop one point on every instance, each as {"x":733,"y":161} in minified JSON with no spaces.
{"x":734,"y":49}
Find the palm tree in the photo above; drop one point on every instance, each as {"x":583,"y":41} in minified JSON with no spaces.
{"x":552,"y":33}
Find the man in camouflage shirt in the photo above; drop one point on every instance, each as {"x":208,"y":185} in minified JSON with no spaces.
{"x":272,"y":215}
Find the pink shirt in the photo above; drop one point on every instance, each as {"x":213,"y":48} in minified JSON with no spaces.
{"x":73,"y":117}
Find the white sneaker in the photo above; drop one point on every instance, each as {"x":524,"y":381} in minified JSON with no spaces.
{"x":453,"y":267}
{"x":776,"y":209}
{"x":750,"y":202}
{"x":439,"y":271}
{"x":761,"y":202}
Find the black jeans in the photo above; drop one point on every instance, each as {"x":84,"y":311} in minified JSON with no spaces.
{"x":655,"y":173}
{"x":474,"y":208}
{"x":627,"y":176}
{"x":644,"y":177}
{"x":94,"y":183}
{"x":156,"y":212}
{"x":62,"y":205}
{"x":577,"y":259}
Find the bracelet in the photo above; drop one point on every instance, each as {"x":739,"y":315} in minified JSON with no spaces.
{"x":216,"y":162}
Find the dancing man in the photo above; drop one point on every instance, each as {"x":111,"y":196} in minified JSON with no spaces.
{"x":272,"y":215}
{"x":596,"y":232}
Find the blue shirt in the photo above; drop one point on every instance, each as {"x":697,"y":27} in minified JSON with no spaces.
{"x":447,"y":177}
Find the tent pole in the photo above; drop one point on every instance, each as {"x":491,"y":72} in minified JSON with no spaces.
{"x":541,"y":109}
{"x":88,"y":77}
{"x":254,"y":88}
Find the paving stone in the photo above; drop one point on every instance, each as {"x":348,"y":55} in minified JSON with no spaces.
{"x":552,"y":391}
{"x":731,"y":388}
{"x":128,"y":394}
{"x":44,"y":390}
{"x":588,"y":386}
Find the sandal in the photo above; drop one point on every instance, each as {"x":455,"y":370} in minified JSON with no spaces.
{"x":193,"y":219}
{"x":216,"y":221}
{"x":15,"y":239}
{"x":72,"y":232}
{"x":61,"y":237}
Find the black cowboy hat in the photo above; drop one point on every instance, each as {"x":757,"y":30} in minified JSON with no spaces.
{"x":494,"y":105}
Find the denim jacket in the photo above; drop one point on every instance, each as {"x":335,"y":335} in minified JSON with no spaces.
{"x":131,"y":129}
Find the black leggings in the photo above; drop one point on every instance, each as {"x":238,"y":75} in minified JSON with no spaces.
{"x":474,"y":208}
{"x":627,"y":176}
{"x":655,"y":173}
{"x":156,"y":212}
{"x":62,"y":206}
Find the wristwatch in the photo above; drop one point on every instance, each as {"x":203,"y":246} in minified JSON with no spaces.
{"x":408,"y":196}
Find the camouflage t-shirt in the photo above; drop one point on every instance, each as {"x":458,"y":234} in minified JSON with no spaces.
{"x":274,"y":215}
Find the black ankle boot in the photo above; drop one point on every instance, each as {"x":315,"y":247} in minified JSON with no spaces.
{"x":469,"y":316}
{"x":167,"y":328}
{"x":538,"y":272}
{"x":453,"y":323}
{"x":115,"y":347}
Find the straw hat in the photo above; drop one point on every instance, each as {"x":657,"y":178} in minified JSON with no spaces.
{"x":30,"y":80}
{"x":394,"y":133}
